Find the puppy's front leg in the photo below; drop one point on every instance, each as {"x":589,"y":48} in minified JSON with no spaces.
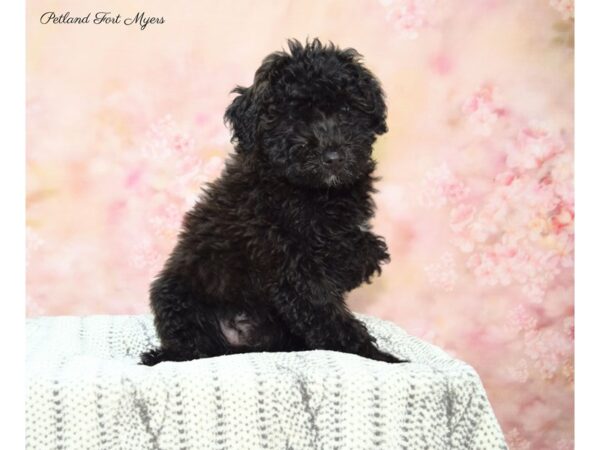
{"x":374,"y":253}
{"x":327,"y":324}
{"x":370,"y":253}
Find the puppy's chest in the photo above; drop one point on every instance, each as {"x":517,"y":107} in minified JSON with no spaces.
{"x":328,"y":232}
{"x":318,"y":221}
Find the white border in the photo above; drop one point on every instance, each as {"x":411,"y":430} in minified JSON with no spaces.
{"x":587,"y":223}
{"x":12,"y":242}
{"x":587,"y":167}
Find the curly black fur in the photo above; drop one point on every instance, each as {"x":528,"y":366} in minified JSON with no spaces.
{"x":267,"y":254}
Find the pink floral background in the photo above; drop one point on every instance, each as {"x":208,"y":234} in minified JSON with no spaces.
{"x":476,"y":200}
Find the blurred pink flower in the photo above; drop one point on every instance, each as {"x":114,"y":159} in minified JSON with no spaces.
{"x":565,"y":7}
{"x":562,"y":218}
{"x":568,"y":372}
{"x":516,"y":441}
{"x":442,"y":274}
{"x":480,"y":231}
{"x":518,"y":372}
{"x":441,"y":186}
{"x":548,"y":349}
{"x":486,"y":268}
{"x":532,"y":146}
{"x":441,"y":64}
{"x":534,"y":292}
{"x":408,"y":17}
{"x":569,"y":326}
{"x":561,"y":174}
{"x":482,"y":110}
{"x":461,"y":216}
{"x":505,"y":178}
{"x":521,"y":318}
{"x":463,"y":243}
{"x":133,"y":177}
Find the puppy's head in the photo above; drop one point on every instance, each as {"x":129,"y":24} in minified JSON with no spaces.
{"x":312,"y":115}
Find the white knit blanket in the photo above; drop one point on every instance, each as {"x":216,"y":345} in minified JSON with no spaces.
{"x":86,"y":391}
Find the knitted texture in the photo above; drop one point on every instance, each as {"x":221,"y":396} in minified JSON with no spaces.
{"x":85,"y":390}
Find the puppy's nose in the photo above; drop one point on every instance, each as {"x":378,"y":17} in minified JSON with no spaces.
{"x":332,"y":157}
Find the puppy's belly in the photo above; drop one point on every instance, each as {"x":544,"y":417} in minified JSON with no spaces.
{"x":237,"y":330}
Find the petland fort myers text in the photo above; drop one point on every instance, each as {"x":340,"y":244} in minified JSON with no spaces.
{"x":140,"y":19}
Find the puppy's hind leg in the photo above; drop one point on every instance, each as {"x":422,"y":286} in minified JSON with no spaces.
{"x":325,"y":323}
{"x":187,"y":329}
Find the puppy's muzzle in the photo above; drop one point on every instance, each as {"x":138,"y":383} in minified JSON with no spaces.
{"x":332,"y":158}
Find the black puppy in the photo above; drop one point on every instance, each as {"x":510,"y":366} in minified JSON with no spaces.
{"x":268,"y":253}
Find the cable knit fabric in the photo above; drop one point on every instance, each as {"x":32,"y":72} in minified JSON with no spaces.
{"x":85,"y":390}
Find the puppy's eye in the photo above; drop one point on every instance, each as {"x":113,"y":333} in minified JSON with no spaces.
{"x":346,"y":108}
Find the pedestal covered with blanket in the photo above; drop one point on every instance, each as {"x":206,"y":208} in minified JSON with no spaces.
{"x":85,"y":390}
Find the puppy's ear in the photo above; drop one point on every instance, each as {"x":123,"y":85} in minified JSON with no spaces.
{"x":380,"y":110}
{"x":374,"y":101}
{"x":241,"y":117}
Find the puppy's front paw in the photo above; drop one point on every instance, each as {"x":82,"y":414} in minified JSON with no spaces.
{"x":375,"y":253}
